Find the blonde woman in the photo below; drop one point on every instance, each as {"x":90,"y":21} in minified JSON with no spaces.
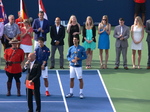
{"x":73,"y":28}
{"x":104,"y":29}
{"x":89,"y":33}
{"x":26,"y":38}
{"x":137,"y":34}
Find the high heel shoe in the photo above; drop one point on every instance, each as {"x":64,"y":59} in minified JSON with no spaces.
{"x":105,"y":66}
{"x":139,"y":67}
{"x":102,"y":66}
{"x":89,"y":66}
{"x":134,"y":67}
{"x":86,"y":67}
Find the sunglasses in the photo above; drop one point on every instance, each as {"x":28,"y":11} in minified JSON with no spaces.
{"x":104,"y":19}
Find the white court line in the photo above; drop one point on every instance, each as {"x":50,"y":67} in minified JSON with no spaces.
{"x":33,"y":101}
{"x":106,"y":91}
{"x":62,"y":92}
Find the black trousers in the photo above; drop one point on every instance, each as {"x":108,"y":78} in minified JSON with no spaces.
{"x":15,"y":76}
{"x":7,"y":45}
{"x":148,"y":62}
{"x":36,"y":93}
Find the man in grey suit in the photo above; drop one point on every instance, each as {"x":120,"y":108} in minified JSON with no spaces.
{"x":148,"y":41}
{"x":121,"y":33}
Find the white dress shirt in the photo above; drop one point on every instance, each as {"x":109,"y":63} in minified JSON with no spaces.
{"x":121,"y":30}
{"x":31,"y":64}
{"x":57,"y":28}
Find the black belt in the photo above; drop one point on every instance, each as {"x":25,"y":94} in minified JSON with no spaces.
{"x":10,"y":63}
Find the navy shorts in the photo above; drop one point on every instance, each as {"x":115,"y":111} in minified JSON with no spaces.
{"x":140,"y":8}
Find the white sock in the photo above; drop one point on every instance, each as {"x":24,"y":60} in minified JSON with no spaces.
{"x":81,"y":91}
{"x":71,"y":90}
{"x":46,"y":88}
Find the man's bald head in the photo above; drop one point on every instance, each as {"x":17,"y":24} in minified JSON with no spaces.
{"x":31,"y":57}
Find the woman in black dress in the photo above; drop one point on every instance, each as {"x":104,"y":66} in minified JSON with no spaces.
{"x":73,"y":29}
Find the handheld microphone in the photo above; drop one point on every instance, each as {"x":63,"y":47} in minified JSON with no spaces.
{"x":27,"y":64}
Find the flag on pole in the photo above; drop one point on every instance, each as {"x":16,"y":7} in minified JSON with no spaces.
{"x":3,"y":16}
{"x":23,"y":10}
{"x":41,"y":8}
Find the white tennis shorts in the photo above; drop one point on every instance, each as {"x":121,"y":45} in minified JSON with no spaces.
{"x":45,"y":73}
{"x":76,"y":71}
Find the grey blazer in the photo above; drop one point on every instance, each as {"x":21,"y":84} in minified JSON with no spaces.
{"x":125,"y":33}
{"x":148,"y":30}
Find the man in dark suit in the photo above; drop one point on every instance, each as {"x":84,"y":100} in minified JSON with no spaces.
{"x":121,"y":33}
{"x":34,"y":73}
{"x":148,"y":41}
{"x":40,"y":27}
{"x":57,"y":34}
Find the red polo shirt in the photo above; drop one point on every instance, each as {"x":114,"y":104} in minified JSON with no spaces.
{"x":140,"y":1}
{"x":14,"y":56}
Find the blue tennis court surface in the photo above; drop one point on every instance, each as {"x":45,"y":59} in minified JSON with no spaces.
{"x":96,"y":96}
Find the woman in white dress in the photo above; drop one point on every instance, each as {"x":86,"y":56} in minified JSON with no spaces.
{"x":137,"y":34}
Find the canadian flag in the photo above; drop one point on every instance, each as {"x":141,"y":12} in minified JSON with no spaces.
{"x":41,"y":8}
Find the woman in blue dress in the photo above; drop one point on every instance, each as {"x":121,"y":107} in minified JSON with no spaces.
{"x":89,"y":33}
{"x":104,"y":29}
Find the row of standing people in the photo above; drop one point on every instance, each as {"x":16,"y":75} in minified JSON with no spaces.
{"x":40,"y":27}
{"x":121,"y":33}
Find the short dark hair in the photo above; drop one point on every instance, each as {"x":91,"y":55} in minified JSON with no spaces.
{"x":121,"y":19}
{"x":58,"y":18}
{"x":76,"y":36}
{"x":41,"y":39}
{"x":42,"y":12}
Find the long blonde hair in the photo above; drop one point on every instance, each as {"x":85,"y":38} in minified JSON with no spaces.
{"x":107,"y":23}
{"x":91,"y":24}
{"x":140,"y":23}
{"x":70,"y":20}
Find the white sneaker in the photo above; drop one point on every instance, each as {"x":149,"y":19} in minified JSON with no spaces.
{"x":69,"y":95}
{"x":81,"y":96}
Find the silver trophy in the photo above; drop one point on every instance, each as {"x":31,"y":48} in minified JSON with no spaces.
{"x":76,"y":55}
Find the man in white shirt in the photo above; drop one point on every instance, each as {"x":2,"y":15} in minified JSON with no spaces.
{"x":57,"y":33}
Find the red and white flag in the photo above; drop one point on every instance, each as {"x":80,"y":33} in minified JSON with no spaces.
{"x":3,"y":16}
{"x":23,"y":10}
{"x":41,"y":8}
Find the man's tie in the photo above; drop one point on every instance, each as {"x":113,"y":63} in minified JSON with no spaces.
{"x":121,"y":30}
